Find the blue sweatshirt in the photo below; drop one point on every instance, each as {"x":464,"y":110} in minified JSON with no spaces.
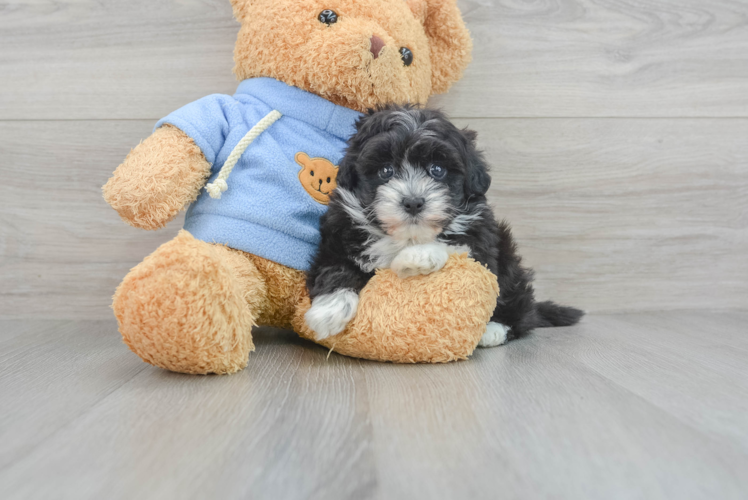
{"x":274,"y":199}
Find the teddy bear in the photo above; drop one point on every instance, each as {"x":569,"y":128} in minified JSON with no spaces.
{"x":255,"y":170}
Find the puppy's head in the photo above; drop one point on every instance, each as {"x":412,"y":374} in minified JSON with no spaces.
{"x":412,"y":172}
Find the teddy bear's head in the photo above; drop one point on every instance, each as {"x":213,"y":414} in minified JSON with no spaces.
{"x":355,"y":53}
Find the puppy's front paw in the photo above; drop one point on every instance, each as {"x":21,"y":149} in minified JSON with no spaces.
{"x":496,"y":334}
{"x":420,"y":259}
{"x":330,"y":313}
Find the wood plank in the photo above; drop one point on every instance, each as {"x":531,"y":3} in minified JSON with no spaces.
{"x":51,"y":373}
{"x":527,"y":420}
{"x":292,"y":422}
{"x":572,"y":58}
{"x":671,"y":361}
{"x":142,"y":59}
{"x":614,"y":215}
{"x":732,"y":335}
{"x":63,"y":250}
{"x":90,"y":59}
{"x":626,"y":214}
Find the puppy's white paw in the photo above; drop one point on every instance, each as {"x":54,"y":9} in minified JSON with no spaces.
{"x":330,"y":313}
{"x":496,"y":334}
{"x":420,"y":259}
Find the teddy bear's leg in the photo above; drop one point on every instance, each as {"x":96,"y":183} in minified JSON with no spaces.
{"x":190,"y":306}
{"x":434,"y":318}
{"x":285,"y":289}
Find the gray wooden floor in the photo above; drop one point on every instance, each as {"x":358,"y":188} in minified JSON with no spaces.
{"x":651,"y":405}
{"x":616,"y":131}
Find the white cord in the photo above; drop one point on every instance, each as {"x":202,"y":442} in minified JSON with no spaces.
{"x":220,"y":185}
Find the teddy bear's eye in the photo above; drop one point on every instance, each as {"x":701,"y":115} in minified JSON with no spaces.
{"x":328,"y":180}
{"x":328,"y":17}
{"x":407,"y":56}
{"x":312,"y":172}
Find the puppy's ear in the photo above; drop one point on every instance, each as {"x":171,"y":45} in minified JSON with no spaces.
{"x":477,"y":178}
{"x":347,"y":175}
{"x":470,"y":135}
{"x":449,"y":39}
{"x":367,"y":127}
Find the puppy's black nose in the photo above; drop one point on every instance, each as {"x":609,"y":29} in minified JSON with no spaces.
{"x":413,"y":205}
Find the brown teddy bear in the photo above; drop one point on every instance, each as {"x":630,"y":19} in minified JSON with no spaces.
{"x":256,"y":170}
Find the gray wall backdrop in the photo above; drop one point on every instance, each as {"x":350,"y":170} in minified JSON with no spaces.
{"x":617,"y":131}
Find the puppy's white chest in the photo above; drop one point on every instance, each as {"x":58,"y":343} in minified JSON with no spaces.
{"x":381,"y":253}
{"x":408,"y":258}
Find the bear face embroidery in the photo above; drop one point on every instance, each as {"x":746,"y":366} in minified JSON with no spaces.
{"x":318,"y":176}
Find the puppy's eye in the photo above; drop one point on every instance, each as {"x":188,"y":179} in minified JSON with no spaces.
{"x":406,"y":55}
{"x":437,"y":172}
{"x":386,"y":173}
{"x":328,"y":17}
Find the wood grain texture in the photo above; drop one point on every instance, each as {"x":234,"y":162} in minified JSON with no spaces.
{"x":51,"y":372}
{"x":651,"y":354}
{"x":615,"y":209}
{"x":604,"y":58}
{"x":617,"y":407}
{"x":63,"y":249}
{"x":87,"y":59}
{"x":626,"y":214}
{"x":613,"y":214}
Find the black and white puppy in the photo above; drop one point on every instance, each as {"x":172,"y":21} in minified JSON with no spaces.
{"x":411,"y":190}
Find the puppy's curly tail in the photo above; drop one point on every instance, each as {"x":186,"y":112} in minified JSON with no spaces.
{"x":551,"y":314}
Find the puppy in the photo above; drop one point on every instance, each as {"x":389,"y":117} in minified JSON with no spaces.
{"x":411,"y":190}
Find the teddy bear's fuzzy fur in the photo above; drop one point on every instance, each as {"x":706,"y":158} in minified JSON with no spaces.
{"x":334,"y":62}
{"x":158,"y":178}
{"x":189,"y":307}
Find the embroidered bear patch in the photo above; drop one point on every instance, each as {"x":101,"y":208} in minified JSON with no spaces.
{"x":318,"y":176}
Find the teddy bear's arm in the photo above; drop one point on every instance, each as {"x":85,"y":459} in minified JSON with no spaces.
{"x":157,"y":179}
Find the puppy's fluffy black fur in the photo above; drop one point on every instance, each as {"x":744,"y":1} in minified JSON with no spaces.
{"x":403,"y":144}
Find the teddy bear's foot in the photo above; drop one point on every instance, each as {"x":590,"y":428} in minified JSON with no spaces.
{"x":190,"y":306}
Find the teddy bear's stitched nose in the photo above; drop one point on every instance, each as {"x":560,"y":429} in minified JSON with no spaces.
{"x":377,"y":44}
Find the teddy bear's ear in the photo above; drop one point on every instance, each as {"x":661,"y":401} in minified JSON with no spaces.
{"x":451,"y":45}
{"x":418,"y":7}
{"x":240,"y":8}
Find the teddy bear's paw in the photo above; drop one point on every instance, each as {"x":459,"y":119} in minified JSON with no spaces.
{"x":496,"y":334}
{"x":420,"y":259}
{"x":330,"y":313}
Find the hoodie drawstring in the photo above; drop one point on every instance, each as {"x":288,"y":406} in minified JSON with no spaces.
{"x":220,"y":185}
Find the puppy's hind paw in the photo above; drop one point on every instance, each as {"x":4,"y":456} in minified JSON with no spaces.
{"x":495,"y":335}
{"x":330,"y":313}
{"x":420,"y":259}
